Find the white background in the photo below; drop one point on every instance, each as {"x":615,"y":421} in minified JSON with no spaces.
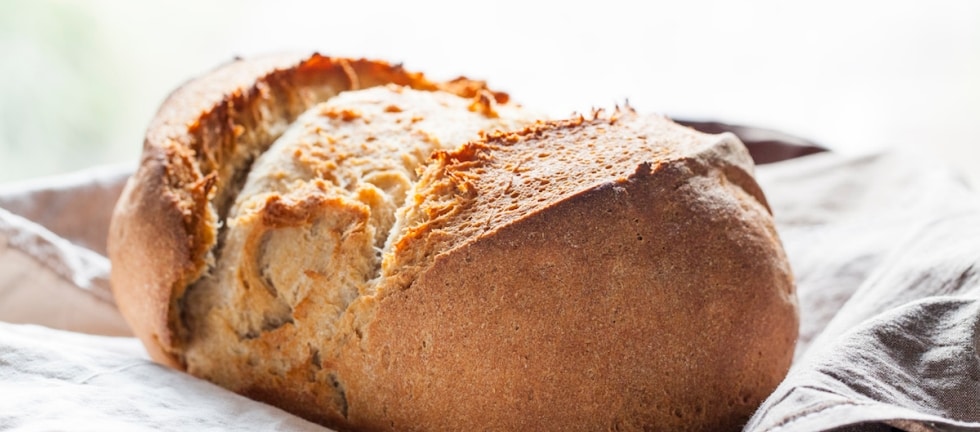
{"x":80,"y":81}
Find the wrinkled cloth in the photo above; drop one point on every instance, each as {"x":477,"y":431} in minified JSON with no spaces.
{"x":53,"y":269}
{"x":885,"y":249}
{"x":57,"y":380}
{"x":886,"y":252}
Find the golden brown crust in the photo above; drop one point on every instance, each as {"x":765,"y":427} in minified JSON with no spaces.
{"x":197,"y":150}
{"x":661,"y":300}
{"x":148,"y":256}
{"x":614,"y":272}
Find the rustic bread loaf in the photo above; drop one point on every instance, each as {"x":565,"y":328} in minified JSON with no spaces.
{"x":381,"y":259}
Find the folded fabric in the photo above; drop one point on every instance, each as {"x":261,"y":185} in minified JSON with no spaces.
{"x":53,"y":269}
{"x":56,"y":380}
{"x":886,"y":251}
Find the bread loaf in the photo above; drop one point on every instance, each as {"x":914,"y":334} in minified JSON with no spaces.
{"x":374,"y":251}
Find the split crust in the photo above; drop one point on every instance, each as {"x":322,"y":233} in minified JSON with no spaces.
{"x":374,"y":251}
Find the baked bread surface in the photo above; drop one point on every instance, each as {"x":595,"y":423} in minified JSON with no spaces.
{"x":611,"y":272}
{"x":198,"y":150}
{"x":308,"y":235}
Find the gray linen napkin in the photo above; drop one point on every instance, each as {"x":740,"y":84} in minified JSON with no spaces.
{"x":886,"y":251}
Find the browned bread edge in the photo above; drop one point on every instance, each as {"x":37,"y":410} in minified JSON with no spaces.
{"x":164,"y":227}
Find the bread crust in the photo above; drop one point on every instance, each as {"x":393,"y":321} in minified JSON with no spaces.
{"x":650,"y":292}
{"x":605,"y":311}
{"x":197,"y":149}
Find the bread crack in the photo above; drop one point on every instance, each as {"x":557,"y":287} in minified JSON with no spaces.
{"x":305,"y":244}
{"x":340,"y":394}
{"x":270,"y":324}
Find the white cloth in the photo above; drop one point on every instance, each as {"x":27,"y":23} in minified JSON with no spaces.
{"x":54,"y":380}
{"x":885,"y":249}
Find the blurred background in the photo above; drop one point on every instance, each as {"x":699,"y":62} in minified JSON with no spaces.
{"x":79,"y":81}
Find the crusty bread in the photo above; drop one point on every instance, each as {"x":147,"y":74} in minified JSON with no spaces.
{"x":387,"y":261}
{"x":198,"y":149}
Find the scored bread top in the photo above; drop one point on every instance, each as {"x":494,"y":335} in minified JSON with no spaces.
{"x":490,"y":183}
{"x":307,"y":233}
{"x":611,"y":272}
{"x":199,"y":147}
{"x":344,"y":213}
